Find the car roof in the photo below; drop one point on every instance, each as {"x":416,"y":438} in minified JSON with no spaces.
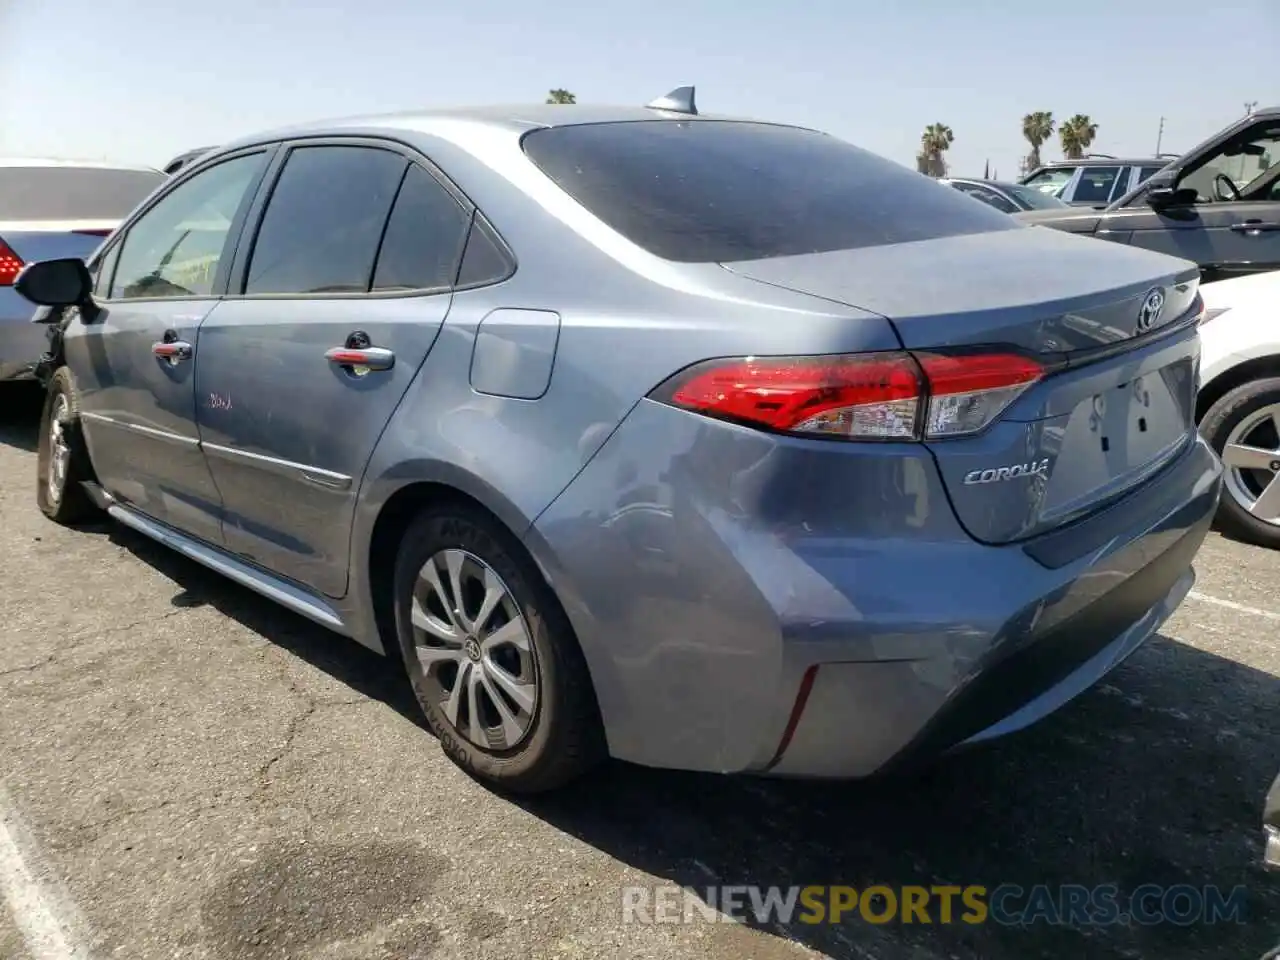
{"x":80,"y":164}
{"x":512,"y":118}
{"x":1096,"y":161}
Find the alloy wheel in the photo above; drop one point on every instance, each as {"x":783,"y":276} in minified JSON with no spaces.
{"x":1252,"y":458}
{"x":475,"y":650}
{"x":59,"y":450}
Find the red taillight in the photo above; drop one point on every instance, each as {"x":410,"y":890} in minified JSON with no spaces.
{"x":968,"y":392}
{"x":10,"y":265}
{"x":874,"y":396}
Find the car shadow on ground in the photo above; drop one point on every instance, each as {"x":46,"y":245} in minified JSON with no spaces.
{"x":1156,"y":777}
{"x":20,"y":405}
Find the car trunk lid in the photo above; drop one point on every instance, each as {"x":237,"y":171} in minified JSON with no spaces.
{"x":1116,"y":400}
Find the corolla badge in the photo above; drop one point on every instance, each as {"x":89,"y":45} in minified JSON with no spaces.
{"x":1033,"y":468}
{"x":1151,"y":309}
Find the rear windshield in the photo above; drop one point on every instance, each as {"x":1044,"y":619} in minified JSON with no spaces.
{"x":72,"y":193}
{"x":707,"y":191}
{"x":1035,"y":199}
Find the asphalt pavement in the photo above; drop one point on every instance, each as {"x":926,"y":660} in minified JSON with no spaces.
{"x":188,"y":771}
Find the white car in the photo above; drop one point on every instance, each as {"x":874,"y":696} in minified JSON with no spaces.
{"x":1238,"y":408}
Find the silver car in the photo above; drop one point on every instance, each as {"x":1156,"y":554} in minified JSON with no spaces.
{"x":54,"y":208}
{"x":697,"y":442}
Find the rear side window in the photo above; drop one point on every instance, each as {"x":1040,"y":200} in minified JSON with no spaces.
{"x":1145,"y":172}
{"x":73,"y":193}
{"x":323,"y":223}
{"x":424,"y":236}
{"x":705,"y":191}
{"x":485,"y":259}
{"x":1095,"y":184}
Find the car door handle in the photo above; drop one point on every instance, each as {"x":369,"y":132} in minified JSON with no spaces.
{"x":1254,"y":226}
{"x":370,"y":358}
{"x":175,"y":351}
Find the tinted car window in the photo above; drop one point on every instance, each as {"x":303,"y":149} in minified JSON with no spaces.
{"x":322,"y":225}
{"x":173,"y":250}
{"x":1145,"y":172}
{"x":424,"y":236}
{"x":1095,"y":184}
{"x":706,"y":191}
{"x":1035,"y":199}
{"x":485,"y":260}
{"x":73,"y":193}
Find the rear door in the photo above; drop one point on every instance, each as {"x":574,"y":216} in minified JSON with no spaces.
{"x":135,"y":362}
{"x":333,"y":307}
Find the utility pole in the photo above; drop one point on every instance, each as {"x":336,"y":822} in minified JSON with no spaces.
{"x":1160,"y":137}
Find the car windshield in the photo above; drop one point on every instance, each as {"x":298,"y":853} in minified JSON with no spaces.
{"x":73,"y":193}
{"x":707,"y":191}
{"x":1050,"y":181}
{"x":1034,"y":198}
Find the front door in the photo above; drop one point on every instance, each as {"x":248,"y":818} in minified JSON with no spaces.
{"x":344,"y":292}
{"x":135,"y":362}
{"x":1233,"y":226}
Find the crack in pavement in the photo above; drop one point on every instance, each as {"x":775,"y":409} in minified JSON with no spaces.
{"x":27,"y":667}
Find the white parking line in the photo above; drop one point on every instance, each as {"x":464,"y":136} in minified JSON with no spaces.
{"x":1232,"y":605}
{"x":42,"y":915}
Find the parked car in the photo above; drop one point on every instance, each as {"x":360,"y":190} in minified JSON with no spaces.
{"x":183,"y":159}
{"x":1238,"y":407}
{"x":1005,"y":197}
{"x":1095,"y":180}
{"x":724,"y":446}
{"x":1218,"y":204}
{"x":49,"y":209}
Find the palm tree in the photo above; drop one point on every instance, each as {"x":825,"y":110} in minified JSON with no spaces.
{"x":1037,"y":127}
{"x":934,"y":142}
{"x":1077,"y":135}
{"x":560,"y":96}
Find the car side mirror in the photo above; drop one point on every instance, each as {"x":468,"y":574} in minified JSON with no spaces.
{"x":1168,"y":195}
{"x":64,"y":282}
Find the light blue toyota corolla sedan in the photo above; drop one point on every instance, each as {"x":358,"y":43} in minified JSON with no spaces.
{"x":698,"y":442}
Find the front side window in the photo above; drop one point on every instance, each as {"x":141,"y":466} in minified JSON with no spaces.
{"x":1145,"y":173}
{"x":173,"y":250}
{"x":323,"y":223}
{"x":1095,"y":184}
{"x":706,"y":191}
{"x":1243,"y":161}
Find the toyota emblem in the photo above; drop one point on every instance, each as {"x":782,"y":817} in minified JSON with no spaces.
{"x":1152,"y":308}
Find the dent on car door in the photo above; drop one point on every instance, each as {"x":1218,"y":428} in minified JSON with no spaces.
{"x":303,"y":364}
{"x":135,"y":362}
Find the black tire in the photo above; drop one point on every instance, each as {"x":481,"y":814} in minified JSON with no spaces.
{"x":564,"y":738}
{"x":65,"y":502}
{"x":1216,"y":426}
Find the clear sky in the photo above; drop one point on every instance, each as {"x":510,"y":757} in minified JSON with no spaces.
{"x":142,"y":80}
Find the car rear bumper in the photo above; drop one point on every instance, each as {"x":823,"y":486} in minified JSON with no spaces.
{"x":22,"y":343}
{"x":743,"y":609}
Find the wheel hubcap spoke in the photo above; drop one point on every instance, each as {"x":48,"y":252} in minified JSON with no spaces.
{"x":1252,"y":458}
{"x":475,"y":650}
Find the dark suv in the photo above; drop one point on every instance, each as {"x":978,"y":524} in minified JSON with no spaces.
{"x":1218,"y":204}
{"x":1094,"y":181}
